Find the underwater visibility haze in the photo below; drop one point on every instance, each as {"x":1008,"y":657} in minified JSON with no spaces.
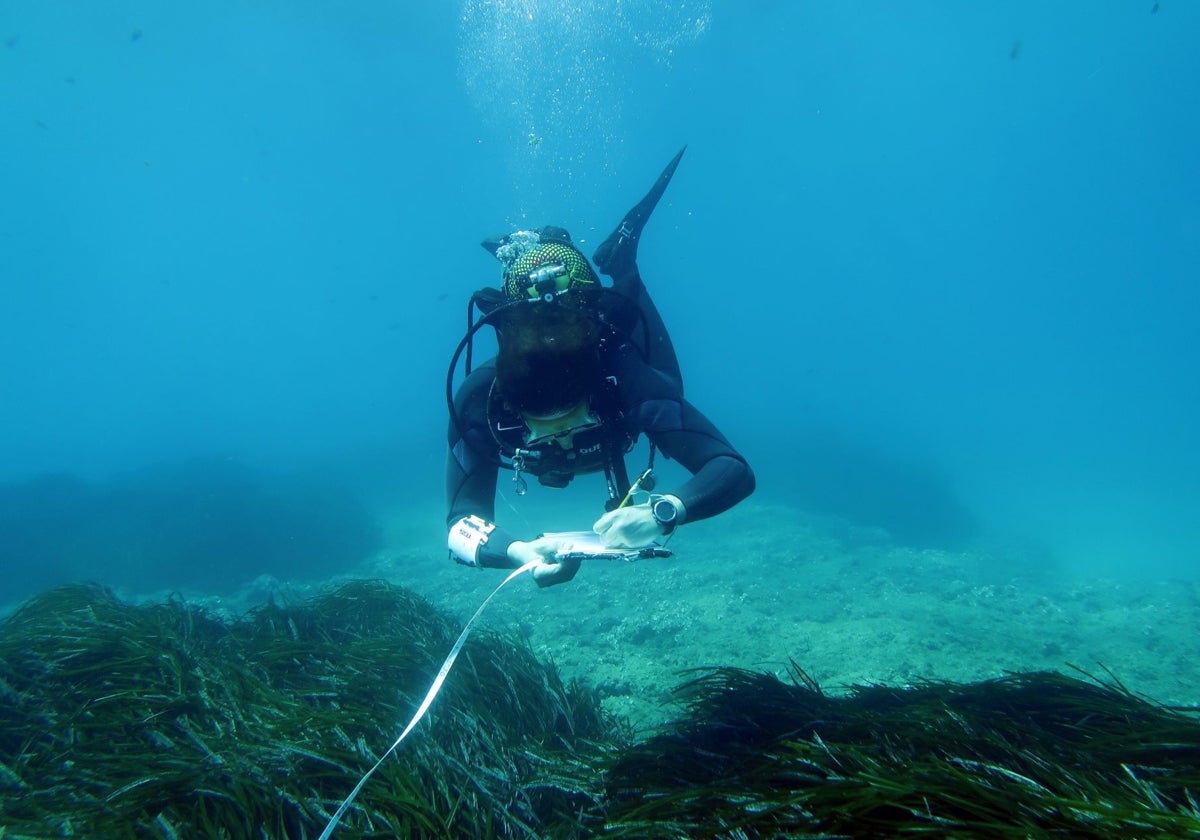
{"x":931,"y":267}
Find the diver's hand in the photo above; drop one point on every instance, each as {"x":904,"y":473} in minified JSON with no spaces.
{"x":632,"y":526}
{"x":550,"y":570}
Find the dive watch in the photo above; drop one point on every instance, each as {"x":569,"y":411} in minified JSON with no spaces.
{"x":666,"y":514}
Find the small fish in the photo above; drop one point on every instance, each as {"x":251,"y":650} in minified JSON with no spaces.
{"x":1154,"y":9}
{"x":1015,"y":52}
{"x":136,"y":35}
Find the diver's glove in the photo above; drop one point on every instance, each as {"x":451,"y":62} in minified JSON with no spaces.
{"x":553,"y":569}
{"x":637,"y":526}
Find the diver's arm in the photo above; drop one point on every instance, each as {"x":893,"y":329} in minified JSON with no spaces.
{"x":471,"y":473}
{"x":653,"y":405}
{"x":716,"y":487}
{"x":474,"y":540}
{"x":720,"y":475}
{"x":472,"y":537}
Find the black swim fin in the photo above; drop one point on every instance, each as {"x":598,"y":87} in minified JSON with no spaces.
{"x":618,"y":254}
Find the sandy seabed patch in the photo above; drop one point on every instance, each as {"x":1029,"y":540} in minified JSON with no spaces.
{"x":847,"y":609}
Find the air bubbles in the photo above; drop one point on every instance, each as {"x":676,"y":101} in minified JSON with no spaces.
{"x":552,"y":78}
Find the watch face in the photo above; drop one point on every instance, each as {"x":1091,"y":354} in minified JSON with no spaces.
{"x":664,"y":511}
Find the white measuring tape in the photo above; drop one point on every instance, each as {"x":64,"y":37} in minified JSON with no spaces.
{"x":428,"y":701}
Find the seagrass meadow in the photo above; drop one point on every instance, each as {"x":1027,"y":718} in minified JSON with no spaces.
{"x":163,"y":720}
{"x":160,"y":721}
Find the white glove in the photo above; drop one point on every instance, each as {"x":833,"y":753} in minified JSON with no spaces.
{"x":632,"y":526}
{"x":551,"y":570}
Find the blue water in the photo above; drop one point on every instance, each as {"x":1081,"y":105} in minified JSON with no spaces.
{"x":932,"y":267}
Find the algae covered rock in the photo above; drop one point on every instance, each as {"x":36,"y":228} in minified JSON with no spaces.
{"x":208,"y":525}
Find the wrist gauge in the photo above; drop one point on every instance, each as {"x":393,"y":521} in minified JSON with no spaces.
{"x":665,"y":514}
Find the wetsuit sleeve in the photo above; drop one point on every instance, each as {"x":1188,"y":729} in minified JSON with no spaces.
{"x":654,"y":406}
{"x":720,"y":475}
{"x":472,"y":469}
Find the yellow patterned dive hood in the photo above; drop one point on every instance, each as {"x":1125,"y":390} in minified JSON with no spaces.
{"x":536,"y":268}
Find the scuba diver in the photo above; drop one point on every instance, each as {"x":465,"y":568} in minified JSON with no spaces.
{"x":582,"y":371}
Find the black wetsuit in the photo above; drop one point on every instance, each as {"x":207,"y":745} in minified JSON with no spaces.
{"x":643,"y":395}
